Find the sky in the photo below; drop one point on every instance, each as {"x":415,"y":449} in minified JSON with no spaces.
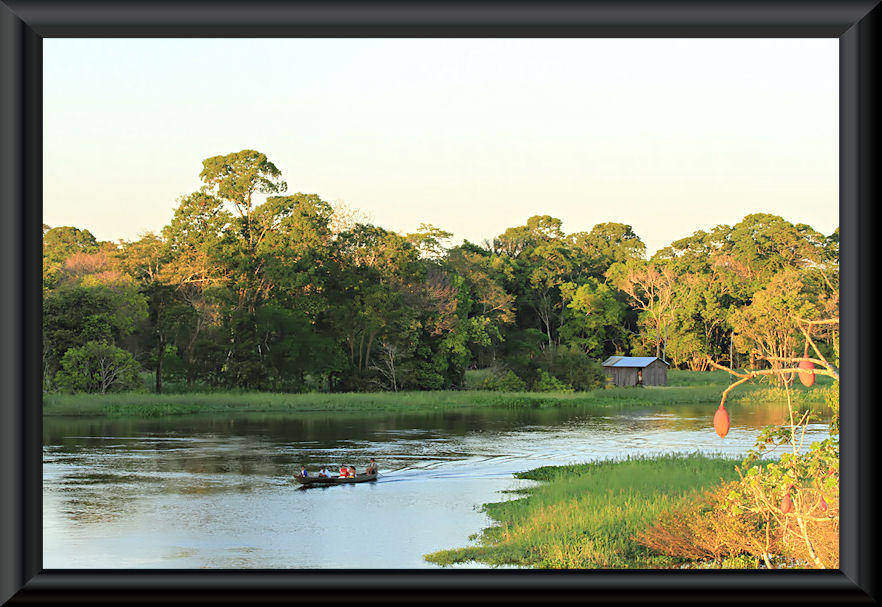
{"x":470,"y":135}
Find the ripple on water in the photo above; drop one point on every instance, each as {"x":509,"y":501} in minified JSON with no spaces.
{"x":216,"y":494}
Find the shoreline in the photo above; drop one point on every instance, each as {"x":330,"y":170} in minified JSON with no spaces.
{"x":684,"y":388}
{"x":585,"y":516}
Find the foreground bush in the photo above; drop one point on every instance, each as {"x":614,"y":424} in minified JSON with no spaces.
{"x":710,"y":529}
{"x":786,"y":512}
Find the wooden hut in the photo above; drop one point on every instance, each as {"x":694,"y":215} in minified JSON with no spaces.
{"x":636,"y":370}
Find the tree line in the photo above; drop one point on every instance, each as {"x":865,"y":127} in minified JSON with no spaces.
{"x":250,"y":287}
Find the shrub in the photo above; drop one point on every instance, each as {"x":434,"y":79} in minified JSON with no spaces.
{"x":573,"y":368}
{"x":97,"y":367}
{"x":549,"y":383}
{"x":711,"y":528}
{"x":476,"y":379}
{"x":506,"y":381}
{"x":785,"y":512}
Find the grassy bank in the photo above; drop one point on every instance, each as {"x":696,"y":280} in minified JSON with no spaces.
{"x":684,"y":388}
{"x":586,"y":516}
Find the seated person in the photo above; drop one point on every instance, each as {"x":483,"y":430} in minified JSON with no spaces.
{"x":344,"y":471}
{"x":351,"y":471}
{"x":372,"y":467}
{"x":303,"y":472}
{"x":323,"y":472}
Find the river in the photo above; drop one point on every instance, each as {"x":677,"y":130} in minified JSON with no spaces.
{"x":215,"y":492}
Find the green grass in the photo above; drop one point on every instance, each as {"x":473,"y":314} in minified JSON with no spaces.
{"x":684,"y":387}
{"x":152,"y":405}
{"x":678,"y":378}
{"x":586,"y":515}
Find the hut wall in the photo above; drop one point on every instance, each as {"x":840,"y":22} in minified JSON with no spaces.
{"x":623,"y":376}
{"x":655,"y":374}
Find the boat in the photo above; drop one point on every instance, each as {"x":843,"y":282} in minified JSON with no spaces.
{"x":314,"y":481}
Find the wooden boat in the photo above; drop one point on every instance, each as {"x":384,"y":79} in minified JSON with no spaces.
{"x":315,"y":481}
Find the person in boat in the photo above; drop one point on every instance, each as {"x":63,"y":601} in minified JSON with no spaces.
{"x":351,"y":471}
{"x":372,"y":467}
{"x":344,"y":471}
{"x":323,"y":473}
{"x":303,"y":472}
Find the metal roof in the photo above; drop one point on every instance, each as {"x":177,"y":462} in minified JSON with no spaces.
{"x":630,"y":361}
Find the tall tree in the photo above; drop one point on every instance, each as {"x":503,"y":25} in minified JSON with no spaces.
{"x":236,"y":178}
{"x":651,"y":288}
{"x":196,"y":266}
{"x":605,"y":245}
{"x":58,"y":245}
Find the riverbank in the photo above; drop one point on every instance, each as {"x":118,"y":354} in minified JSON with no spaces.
{"x":685,"y":387}
{"x":587,"y":515}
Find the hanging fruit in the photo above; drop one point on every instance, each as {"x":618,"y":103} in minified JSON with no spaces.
{"x":721,"y":421}
{"x":807,"y":373}
{"x":786,"y":503}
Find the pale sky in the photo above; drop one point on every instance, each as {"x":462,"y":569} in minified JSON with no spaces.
{"x":470,"y":135}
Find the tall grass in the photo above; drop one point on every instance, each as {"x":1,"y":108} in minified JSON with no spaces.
{"x":587,"y":515}
{"x":680,"y":378}
{"x":684,"y":387}
{"x":151,"y":405}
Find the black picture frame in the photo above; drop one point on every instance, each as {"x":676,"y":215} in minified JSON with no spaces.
{"x":23,"y":25}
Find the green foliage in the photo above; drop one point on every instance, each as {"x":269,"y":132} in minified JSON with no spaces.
{"x":594,"y":321}
{"x":571,"y":369}
{"x":504,"y":381}
{"x":75,"y":315}
{"x":249,"y":287}
{"x":549,"y":383}
{"x":59,"y":244}
{"x":98,"y":367}
{"x":237,"y":177}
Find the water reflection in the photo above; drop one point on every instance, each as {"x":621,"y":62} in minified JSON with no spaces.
{"x":202,"y":491}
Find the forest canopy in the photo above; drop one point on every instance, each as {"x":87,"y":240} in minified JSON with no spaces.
{"x":251,"y":287}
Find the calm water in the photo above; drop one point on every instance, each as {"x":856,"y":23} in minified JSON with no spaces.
{"x":191,"y":492}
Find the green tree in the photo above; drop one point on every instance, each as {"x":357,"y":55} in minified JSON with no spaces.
{"x":769,"y":327}
{"x":651,"y":288}
{"x":236,"y":178}
{"x":97,"y":367}
{"x":605,"y":245}
{"x":75,"y":315}
{"x":595,"y":318}
{"x":58,"y":245}
{"x":536,"y":260}
{"x":429,"y":240}
{"x":196,"y":269}
{"x":492,"y":308}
